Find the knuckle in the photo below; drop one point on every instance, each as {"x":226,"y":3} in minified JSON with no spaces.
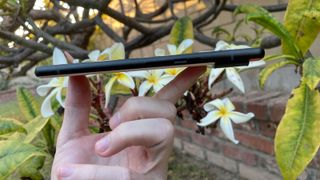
{"x":132,"y":102}
{"x":172,"y":111}
{"x":168,"y":130}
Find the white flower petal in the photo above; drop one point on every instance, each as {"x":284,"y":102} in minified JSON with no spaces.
{"x":44,"y":89}
{"x":65,"y":82}
{"x":157,"y":87}
{"x":235,"y":78}
{"x":94,"y":55}
{"x":238,"y":117}
{"x":214,"y":74}
{"x":210,"y":118}
{"x":226,"y":127}
{"x":58,"y":57}
{"x":126,"y":80}
{"x":228,"y":104}
{"x":253,"y":64}
{"x":165,"y":79}
{"x":184,"y":45}
{"x":105,"y":51}
{"x":46,"y":109}
{"x":159,"y":52}
{"x":107,"y":90}
{"x":172,"y":49}
{"x":59,"y":96}
{"x":157,"y":73}
{"x":233,"y":46}
{"x":221,"y":45}
{"x":138,"y":74}
{"x":144,"y":88}
{"x":117,"y":51}
{"x":217,"y":103}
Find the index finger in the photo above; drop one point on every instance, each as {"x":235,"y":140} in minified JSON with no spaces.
{"x":176,"y":88}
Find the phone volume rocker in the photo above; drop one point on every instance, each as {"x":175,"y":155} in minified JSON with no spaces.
{"x":180,"y":62}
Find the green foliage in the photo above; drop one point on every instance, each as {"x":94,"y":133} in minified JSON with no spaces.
{"x":33,"y":133}
{"x":297,"y":139}
{"x":28,"y":105}
{"x":311,"y":72}
{"x":13,"y":154}
{"x":9,"y":125}
{"x":182,"y":29}
{"x":30,"y":169}
{"x":277,"y":57}
{"x":302,"y":20}
{"x":262,"y":17}
{"x":267,"y":71}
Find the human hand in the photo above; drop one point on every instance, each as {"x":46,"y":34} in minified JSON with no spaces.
{"x":139,"y":145}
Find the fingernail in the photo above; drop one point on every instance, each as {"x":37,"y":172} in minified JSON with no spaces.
{"x":115,"y":120}
{"x":103,"y":144}
{"x":65,"y":171}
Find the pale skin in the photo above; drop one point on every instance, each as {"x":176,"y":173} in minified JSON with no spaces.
{"x":139,"y":145}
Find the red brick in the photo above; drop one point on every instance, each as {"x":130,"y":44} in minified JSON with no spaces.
{"x":253,"y":173}
{"x":277,"y":108}
{"x":234,"y":151}
{"x":269,"y":163}
{"x":205,"y":141}
{"x":238,"y":102}
{"x":182,"y":133}
{"x":248,"y":126}
{"x":259,"y":109}
{"x":268,"y":128}
{"x":189,"y":124}
{"x":315,"y":163}
{"x":193,"y":150}
{"x":256,"y":142}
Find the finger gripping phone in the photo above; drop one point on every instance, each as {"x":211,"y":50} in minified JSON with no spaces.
{"x":218,"y":59}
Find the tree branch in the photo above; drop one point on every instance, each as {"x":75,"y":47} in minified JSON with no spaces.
{"x":270,"y":8}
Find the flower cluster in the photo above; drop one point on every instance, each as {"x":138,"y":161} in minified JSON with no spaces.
{"x":151,"y":81}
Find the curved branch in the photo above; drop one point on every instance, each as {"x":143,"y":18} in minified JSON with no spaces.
{"x":106,"y":29}
{"x":270,"y":8}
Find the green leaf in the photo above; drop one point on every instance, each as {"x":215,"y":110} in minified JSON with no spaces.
{"x":118,"y":88}
{"x":13,"y":154}
{"x":181,"y":30}
{"x":29,"y":106}
{"x":33,"y":128}
{"x":278,"y":56}
{"x":262,"y":17}
{"x":297,"y":138}
{"x":267,"y":71}
{"x":302,"y":19}
{"x":311,"y":72}
{"x":8,"y":125}
{"x":30,"y":169}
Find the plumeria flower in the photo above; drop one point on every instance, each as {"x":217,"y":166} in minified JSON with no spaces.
{"x":96,"y":55}
{"x":56,"y":85}
{"x":224,"y":110}
{"x":117,"y":52}
{"x":174,"y":50}
{"x":153,"y":79}
{"x":231,"y":73}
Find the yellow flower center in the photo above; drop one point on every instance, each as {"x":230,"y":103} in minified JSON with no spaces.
{"x":119,"y":75}
{"x":223,"y":112}
{"x":153,"y":79}
{"x":102,"y":57}
{"x":173,"y":71}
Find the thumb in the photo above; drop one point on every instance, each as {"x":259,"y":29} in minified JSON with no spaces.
{"x":96,"y":172}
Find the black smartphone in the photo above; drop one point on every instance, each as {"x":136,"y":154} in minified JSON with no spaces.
{"x":226,"y":58}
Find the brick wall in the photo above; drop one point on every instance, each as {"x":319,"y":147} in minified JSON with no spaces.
{"x":253,"y":157}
